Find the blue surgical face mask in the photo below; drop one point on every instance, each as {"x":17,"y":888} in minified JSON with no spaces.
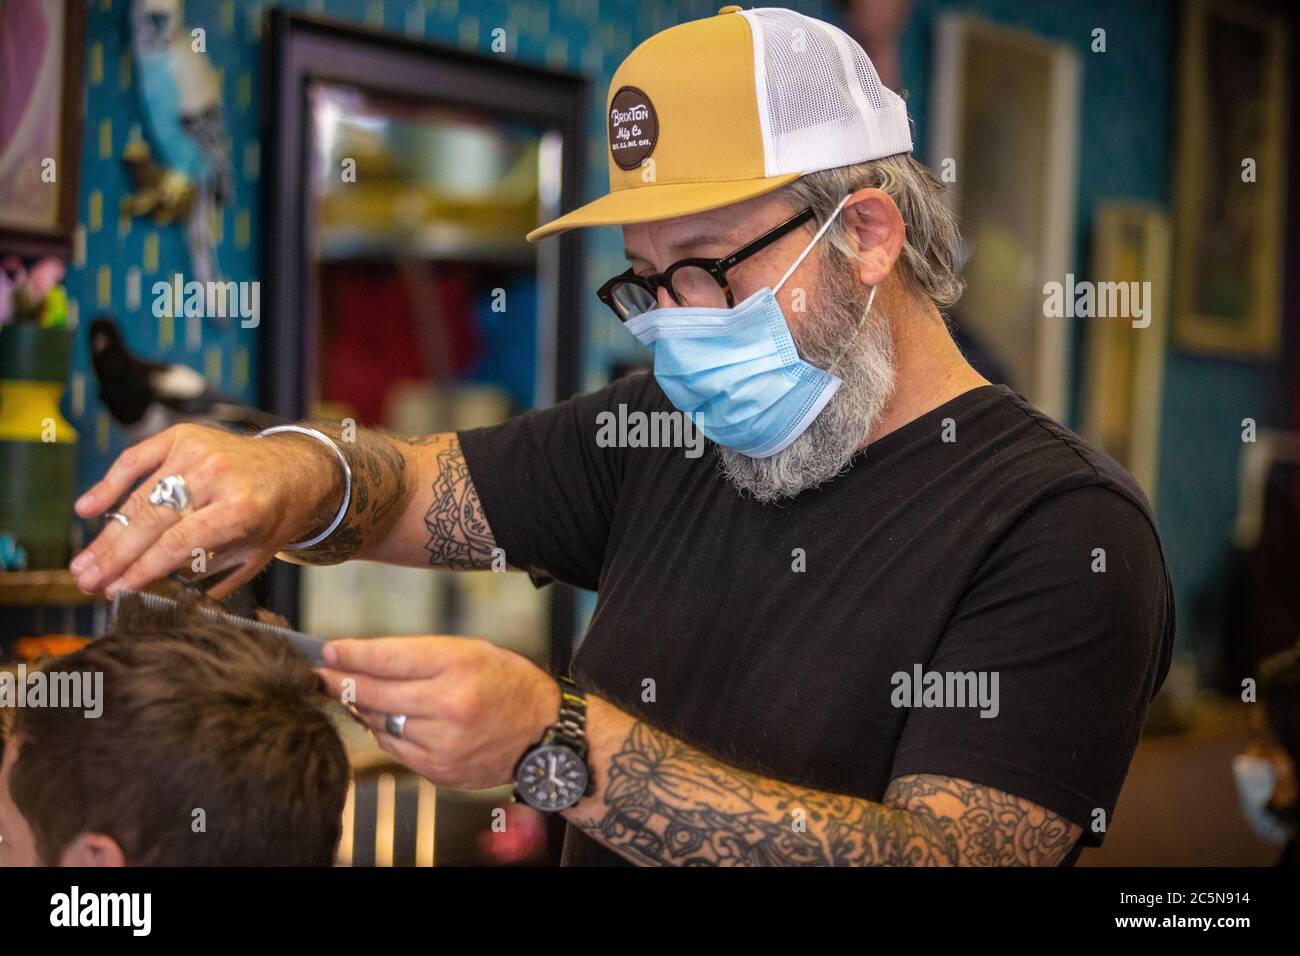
{"x":736,"y":372}
{"x":1256,"y":779}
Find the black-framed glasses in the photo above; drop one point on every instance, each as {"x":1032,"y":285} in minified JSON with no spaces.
{"x":694,"y":283}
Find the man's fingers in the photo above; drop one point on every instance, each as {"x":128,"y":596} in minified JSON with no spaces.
{"x":395,"y":657}
{"x":379,"y":695}
{"x":413,"y":755}
{"x":407,"y":752}
{"x":131,"y":465}
{"x":251,"y":567}
{"x":215,"y":567}
{"x":180,"y":544}
{"x":377,"y":721}
{"x":118,"y":546}
{"x":225,"y":566}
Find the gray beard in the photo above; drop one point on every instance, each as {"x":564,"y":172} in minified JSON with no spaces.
{"x":858,"y":351}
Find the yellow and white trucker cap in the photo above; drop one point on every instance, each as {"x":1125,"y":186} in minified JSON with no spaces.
{"x":715,"y":111}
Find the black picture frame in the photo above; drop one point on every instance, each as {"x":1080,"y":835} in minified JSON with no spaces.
{"x":303,"y":48}
{"x":58,"y":239}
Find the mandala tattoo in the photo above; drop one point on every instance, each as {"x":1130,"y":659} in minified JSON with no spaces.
{"x":669,"y":804}
{"x":459,"y":535}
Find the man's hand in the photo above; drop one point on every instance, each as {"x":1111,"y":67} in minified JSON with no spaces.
{"x":471,"y":708}
{"x":413,"y":503}
{"x":249,"y":498}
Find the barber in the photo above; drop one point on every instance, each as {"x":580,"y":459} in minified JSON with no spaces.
{"x":899,"y":618}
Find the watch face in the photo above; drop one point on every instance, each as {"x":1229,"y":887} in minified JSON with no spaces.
{"x":551,"y":777}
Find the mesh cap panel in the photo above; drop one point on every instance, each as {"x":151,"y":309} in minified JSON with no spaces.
{"x":821,"y":103}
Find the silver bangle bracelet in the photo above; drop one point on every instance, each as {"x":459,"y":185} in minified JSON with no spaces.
{"x":347,"y":480}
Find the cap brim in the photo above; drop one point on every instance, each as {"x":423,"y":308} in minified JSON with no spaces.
{"x":660,"y":201}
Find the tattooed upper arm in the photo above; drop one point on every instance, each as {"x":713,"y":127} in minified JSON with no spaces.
{"x":459,"y":535}
{"x":984,"y":826}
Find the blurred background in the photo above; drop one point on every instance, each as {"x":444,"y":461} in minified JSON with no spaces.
{"x":356,"y":177}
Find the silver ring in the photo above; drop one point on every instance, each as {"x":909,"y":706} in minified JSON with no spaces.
{"x":394,"y":724}
{"x":171,"y":492}
{"x":117,"y":516}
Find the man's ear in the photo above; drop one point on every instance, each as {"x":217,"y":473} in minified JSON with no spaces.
{"x":92,"y":849}
{"x":875,"y":231}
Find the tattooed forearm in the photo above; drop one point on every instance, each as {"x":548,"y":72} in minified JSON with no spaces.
{"x":382,"y":522}
{"x":459,"y":536}
{"x":665,"y":803}
{"x":378,"y":490}
{"x":670,"y":804}
{"x":990,"y":827}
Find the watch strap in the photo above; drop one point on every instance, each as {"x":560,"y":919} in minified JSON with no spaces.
{"x":571,"y":726}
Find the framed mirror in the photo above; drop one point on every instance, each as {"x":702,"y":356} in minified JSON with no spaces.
{"x":399,"y":181}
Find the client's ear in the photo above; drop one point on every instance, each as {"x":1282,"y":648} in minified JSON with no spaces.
{"x":92,"y":849}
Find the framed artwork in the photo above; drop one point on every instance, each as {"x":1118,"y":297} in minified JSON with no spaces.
{"x":41,"y":54}
{"x":1125,"y":359}
{"x":1231,"y":166}
{"x":1004,"y":132}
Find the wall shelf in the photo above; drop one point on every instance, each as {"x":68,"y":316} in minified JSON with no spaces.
{"x":42,"y":588}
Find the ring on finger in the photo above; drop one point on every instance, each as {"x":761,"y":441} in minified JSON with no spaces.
{"x":171,"y":491}
{"x":395,"y":725}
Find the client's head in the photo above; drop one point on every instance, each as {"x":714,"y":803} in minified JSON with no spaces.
{"x":212,"y":748}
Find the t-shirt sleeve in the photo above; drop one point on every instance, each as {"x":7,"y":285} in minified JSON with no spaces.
{"x":548,"y":488}
{"x":1078,"y":653}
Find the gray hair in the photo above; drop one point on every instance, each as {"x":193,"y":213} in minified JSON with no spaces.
{"x":930,"y":261}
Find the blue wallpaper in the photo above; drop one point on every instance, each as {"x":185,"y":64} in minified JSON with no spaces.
{"x":1125,"y":149}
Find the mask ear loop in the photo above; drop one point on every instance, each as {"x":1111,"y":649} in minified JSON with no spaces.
{"x":808,"y":248}
{"x":789,"y":272}
{"x":857,"y":328}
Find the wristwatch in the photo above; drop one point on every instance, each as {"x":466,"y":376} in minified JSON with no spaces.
{"x":553,"y":775}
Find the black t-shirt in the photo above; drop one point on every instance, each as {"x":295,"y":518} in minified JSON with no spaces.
{"x":773,"y":632}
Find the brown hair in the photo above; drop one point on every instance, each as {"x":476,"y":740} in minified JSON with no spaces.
{"x":196,"y":715}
